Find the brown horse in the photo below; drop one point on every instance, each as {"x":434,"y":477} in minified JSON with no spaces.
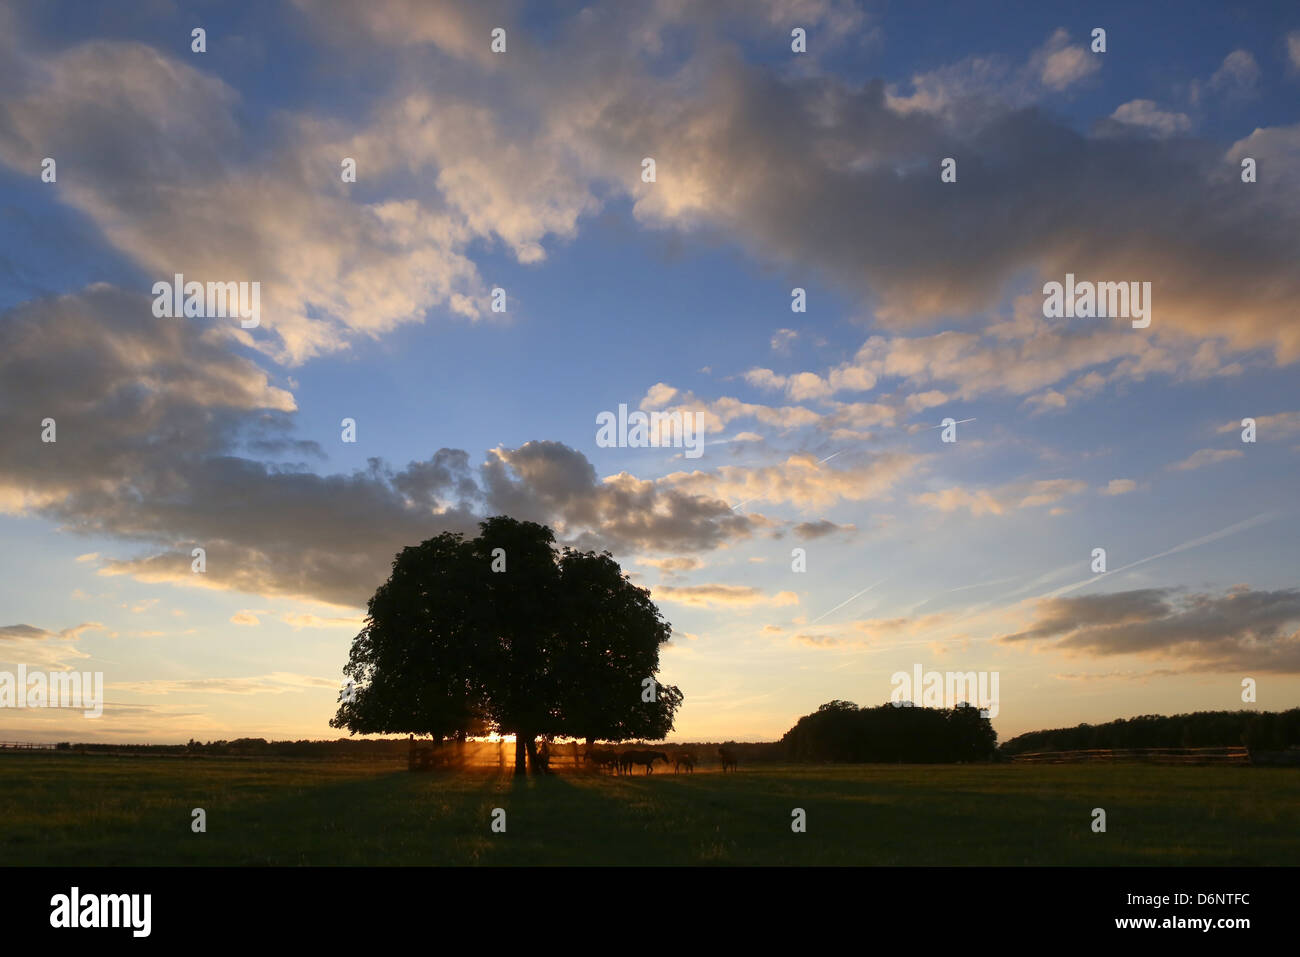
{"x":686,"y":760}
{"x":604,"y":759}
{"x":728,"y":758}
{"x":648,"y":758}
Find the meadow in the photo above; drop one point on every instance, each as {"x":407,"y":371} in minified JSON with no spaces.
{"x":58,"y":809}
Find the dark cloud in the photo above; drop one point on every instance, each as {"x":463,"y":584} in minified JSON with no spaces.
{"x":150,"y":414}
{"x":822,"y":528}
{"x":1239,"y":629}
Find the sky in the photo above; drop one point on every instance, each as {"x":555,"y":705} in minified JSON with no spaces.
{"x":829,"y":535}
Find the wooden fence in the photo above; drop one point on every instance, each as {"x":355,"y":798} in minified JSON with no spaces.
{"x":1235,"y":755}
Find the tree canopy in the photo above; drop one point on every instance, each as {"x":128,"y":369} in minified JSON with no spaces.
{"x":841,"y":731}
{"x":1257,"y":730}
{"x":504,"y":633}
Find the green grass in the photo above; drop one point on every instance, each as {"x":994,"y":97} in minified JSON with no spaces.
{"x":100,"y":810}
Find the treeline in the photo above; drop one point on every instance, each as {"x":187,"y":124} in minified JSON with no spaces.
{"x":841,"y":731}
{"x":706,"y":752}
{"x":1256,"y":730}
{"x":252,"y":746}
{"x":479,"y":752}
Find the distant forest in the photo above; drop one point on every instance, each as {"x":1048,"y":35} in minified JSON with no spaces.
{"x":840,"y":731}
{"x":1256,"y":730}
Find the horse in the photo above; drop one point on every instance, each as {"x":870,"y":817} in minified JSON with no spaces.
{"x":686,"y":759}
{"x":728,"y":758}
{"x":648,"y":758}
{"x":604,"y":759}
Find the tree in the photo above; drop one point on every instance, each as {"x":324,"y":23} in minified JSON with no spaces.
{"x":502,"y":633}
{"x":415,"y":665}
{"x":515,"y":623}
{"x":609,"y":647}
{"x":841,"y":731}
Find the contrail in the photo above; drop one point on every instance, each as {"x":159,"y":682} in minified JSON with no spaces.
{"x":957,"y":422}
{"x":939,"y":426}
{"x":845,"y":602}
{"x":976,"y":609}
{"x":1194,"y":543}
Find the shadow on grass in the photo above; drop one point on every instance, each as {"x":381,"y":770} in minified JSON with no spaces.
{"x":323,"y":813}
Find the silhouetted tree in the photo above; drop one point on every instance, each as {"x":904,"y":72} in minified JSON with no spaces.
{"x":1258,"y":730}
{"x":841,"y":731}
{"x":500,"y":632}
{"x":417,"y":665}
{"x":610,"y":643}
{"x":516,"y":621}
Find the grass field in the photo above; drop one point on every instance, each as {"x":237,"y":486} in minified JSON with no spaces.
{"x":100,"y":810}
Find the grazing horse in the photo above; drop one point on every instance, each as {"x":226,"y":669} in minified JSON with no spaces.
{"x":648,"y":758}
{"x":604,"y":759}
{"x":686,"y":760}
{"x":728,"y":758}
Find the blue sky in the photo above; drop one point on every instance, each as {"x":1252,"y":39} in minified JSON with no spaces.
{"x":521,"y":170}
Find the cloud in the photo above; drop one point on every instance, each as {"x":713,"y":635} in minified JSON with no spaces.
{"x":1019,"y":355}
{"x":1237,"y":78}
{"x":350,"y":623}
{"x":1005,"y":498}
{"x":657,"y":396}
{"x":39,"y":647}
{"x":800,"y":481}
{"x":151,"y":414}
{"x":1145,"y":114}
{"x":1280,"y":423}
{"x":1238,"y":629}
{"x":727,"y":596}
{"x":1063,"y":64}
{"x":1043,"y":401}
{"x":1119,"y":487}
{"x":873,"y":632}
{"x":278,"y":682}
{"x":782,"y":339}
{"x":675,"y":568}
{"x":549,"y":482}
{"x":967,"y":92}
{"x":461,"y":30}
{"x":332,"y":268}
{"x":822,"y":528}
{"x":793,"y":166}
{"x":1204,"y":457}
{"x":791,"y":163}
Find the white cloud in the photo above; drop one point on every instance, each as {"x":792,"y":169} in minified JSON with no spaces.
{"x":1204,"y":457}
{"x":1145,"y":114}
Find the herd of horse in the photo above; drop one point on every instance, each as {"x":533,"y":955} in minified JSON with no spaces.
{"x":616,"y":762}
{"x":623,"y":762}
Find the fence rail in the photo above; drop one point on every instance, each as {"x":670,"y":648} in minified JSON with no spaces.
{"x":26,"y":746}
{"x":1230,"y":755}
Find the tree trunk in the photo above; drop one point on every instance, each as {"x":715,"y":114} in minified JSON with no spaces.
{"x":534,"y":765}
{"x":520,"y":767}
